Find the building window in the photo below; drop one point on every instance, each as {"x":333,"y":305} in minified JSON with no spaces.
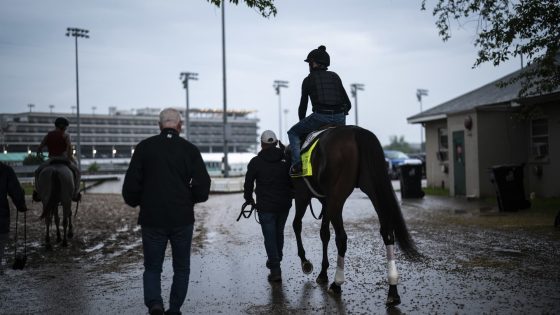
{"x":442,"y":153}
{"x":539,"y":138}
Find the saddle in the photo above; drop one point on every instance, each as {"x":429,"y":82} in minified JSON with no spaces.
{"x":307,"y":149}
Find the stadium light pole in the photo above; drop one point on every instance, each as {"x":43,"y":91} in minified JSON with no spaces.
{"x":225,"y":128}
{"x":354,"y":88}
{"x":185,"y":77}
{"x":419,"y":94}
{"x":77,"y":33}
{"x":30,"y":107}
{"x":278,"y":84}
{"x":51,"y":108}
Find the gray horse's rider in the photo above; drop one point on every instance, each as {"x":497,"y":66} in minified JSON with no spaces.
{"x":59,"y":147}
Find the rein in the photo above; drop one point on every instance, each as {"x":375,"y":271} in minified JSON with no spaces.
{"x":313,"y":212}
{"x":247,"y":213}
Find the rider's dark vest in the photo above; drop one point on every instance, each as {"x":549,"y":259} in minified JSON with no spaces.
{"x":325,"y":91}
{"x":56,"y":143}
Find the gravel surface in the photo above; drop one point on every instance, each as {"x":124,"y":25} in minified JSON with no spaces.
{"x":479,"y":261}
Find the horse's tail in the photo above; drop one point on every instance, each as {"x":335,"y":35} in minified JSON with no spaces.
{"x":54,"y":197}
{"x":374,"y":175}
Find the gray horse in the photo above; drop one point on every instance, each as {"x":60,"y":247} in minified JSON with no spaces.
{"x":55,"y":185}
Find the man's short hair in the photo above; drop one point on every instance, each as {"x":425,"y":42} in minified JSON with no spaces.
{"x":169,"y":117}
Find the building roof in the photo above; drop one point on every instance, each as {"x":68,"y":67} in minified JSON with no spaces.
{"x":489,"y":94}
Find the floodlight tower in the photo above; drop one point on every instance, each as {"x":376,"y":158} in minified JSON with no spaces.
{"x":354,"y":88}
{"x":419,"y":94}
{"x":278,"y":84}
{"x":185,"y":77}
{"x":77,"y":33}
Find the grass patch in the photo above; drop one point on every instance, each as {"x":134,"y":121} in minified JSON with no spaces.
{"x":436,"y":191}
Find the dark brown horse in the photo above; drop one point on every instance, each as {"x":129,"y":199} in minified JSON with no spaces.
{"x":345,"y":158}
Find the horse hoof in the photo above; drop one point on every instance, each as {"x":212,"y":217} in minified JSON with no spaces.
{"x":335,"y":288}
{"x":65,"y":244}
{"x":70,"y":235}
{"x":393,"y":301}
{"x":393,"y":298}
{"x":322,"y":278}
{"x":48,"y":247}
{"x":58,"y":240}
{"x":307,"y":267}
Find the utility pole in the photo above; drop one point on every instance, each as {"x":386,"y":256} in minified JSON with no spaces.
{"x":225,"y":128}
{"x":354,"y":88}
{"x":77,"y":33}
{"x":419,"y":94}
{"x":278,"y":84}
{"x":185,"y":77}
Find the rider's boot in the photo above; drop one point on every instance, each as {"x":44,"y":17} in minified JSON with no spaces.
{"x":295,"y":170}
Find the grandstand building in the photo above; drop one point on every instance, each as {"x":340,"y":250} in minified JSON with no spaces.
{"x":116,"y":134}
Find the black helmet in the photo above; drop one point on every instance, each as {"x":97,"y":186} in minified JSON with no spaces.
{"x":61,"y":122}
{"x":320,"y":56}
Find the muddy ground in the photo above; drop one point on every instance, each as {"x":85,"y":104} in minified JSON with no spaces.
{"x":479,"y":261}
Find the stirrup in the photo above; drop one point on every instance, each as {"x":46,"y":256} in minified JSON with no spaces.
{"x":296,"y":171}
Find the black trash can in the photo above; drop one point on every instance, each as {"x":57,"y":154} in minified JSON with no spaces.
{"x":510,"y":192}
{"x":411,"y":180}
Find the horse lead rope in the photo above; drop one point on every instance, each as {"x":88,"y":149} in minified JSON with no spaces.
{"x":247,"y":213}
{"x":24,"y":234}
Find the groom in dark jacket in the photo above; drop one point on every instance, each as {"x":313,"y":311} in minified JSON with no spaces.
{"x":270,"y":170}
{"x":166,"y":177}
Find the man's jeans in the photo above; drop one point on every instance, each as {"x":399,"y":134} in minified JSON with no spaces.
{"x":308,"y":125}
{"x":272,"y":225}
{"x":154,"y":241}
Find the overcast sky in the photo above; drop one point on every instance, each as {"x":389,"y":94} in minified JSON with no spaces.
{"x":138,"y":48}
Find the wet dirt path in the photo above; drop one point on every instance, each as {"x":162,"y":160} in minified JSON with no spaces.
{"x":473,"y":267}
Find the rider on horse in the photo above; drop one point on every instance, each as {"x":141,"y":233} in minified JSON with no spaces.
{"x":59,"y":146}
{"x":328,"y":98}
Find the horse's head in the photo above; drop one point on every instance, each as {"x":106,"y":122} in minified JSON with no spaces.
{"x":287,"y":151}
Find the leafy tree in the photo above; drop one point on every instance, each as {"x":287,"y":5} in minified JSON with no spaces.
{"x":265,"y":7}
{"x":93,"y":167}
{"x":33,"y":159}
{"x":507,"y":28}
{"x":398,"y":144}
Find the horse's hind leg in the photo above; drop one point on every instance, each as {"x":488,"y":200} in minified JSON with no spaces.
{"x":57,"y":222}
{"x":387,"y":233}
{"x":301,"y":207}
{"x":48,"y":245}
{"x":341,"y":240}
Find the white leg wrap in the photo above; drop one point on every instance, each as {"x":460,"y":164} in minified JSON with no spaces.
{"x":339,"y":274}
{"x":392,"y":273}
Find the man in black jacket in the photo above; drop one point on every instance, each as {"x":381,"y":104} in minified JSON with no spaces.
{"x":274,"y":198}
{"x":9,"y":186}
{"x":166,"y":177}
{"x":328,"y":98}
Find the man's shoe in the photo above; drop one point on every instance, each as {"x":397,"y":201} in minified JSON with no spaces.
{"x":77,"y":197}
{"x":156,"y":309}
{"x":275,"y":275}
{"x":35,"y":196}
{"x":295,"y":170}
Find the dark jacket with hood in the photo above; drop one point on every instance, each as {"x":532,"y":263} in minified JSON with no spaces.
{"x":270,"y":170}
{"x":166,"y":177}
{"x":9,"y":186}
{"x":326,"y":92}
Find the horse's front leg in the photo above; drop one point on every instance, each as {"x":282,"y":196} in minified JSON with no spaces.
{"x":301,"y":207}
{"x":70,"y":226}
{"x":323,"y":278}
